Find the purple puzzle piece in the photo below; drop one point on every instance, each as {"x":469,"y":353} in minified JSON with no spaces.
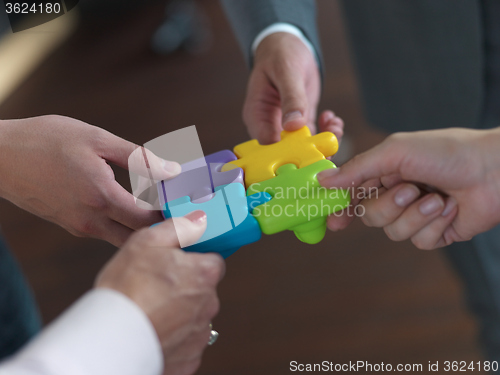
{"x":215,"y":161}
{"x":198,"y":181}
{"x":194,"y":183}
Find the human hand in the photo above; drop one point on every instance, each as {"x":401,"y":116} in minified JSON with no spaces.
{"x":176,"y":289}
{"x":57,"y":168}
{"x":435,"y":187}
{"x":283,"y":91}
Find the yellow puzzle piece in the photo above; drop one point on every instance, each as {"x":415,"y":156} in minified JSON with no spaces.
{"x":297,"y":147}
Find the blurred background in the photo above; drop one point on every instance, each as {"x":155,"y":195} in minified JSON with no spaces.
{"x":143,"y":68}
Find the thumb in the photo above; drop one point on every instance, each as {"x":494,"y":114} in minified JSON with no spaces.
{"x":377,"y":162}
{"x":179,"y":231}
{"x":145,"y":163}
{"x":294,"y":101}
{"x":138,"y":160}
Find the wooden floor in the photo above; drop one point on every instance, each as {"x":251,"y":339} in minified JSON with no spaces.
{"x":355,"y":296}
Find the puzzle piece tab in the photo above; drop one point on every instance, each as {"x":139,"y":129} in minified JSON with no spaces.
{"x":299,"y":202}
{"x":215,"y":163}
{"x":194,"y":183}
{"x":298,"y":147}
{"x":200,"y":178}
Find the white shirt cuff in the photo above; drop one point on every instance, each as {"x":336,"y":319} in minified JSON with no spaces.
{"x":283,"y":27}
{"x":103,"y":333}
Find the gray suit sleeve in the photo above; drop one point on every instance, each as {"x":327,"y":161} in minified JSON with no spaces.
{"x":249,"y":17}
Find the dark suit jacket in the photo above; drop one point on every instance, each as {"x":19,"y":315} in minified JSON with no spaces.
{"x":420,"y":63}
{"x":19,"y":318}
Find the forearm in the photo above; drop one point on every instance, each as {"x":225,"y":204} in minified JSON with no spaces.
{"x":5,"y":154}
{"x":488,"y":145}
{"x":19,"y":140}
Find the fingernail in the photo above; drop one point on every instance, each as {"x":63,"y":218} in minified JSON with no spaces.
{"x":197,"y":217}
{"x":327,"y":173}
{"x":171,"y":167}
{"x":329,"y":115}
{"x":292,"y":116}
{"x":406,"y":195}
{"x":451,"y":203}
{"x":431,"y":205}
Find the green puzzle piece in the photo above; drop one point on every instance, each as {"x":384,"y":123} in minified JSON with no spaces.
{"x":299,"y":202}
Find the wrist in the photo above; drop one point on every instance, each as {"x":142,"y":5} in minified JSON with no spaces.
{"x":284,"y":28}
{"x":4,"y":153}
{"x":488,"y":144}
{"x":282,"y":47}
{"x":489,"y":147}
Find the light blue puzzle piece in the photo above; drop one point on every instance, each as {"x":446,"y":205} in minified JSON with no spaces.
{"x":245,"y":233}
{"x":236,"y":200}
{"x":218,"y":219}
{"x":226,"y":210}
{"x":237,"y":206}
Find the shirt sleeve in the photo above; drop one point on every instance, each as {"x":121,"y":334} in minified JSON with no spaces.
{"x":283,"y":27}
{"x":248,"y":18}
{"x":103,"y":333}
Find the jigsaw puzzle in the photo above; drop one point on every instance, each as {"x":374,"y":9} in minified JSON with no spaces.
{"x":236,"y":217}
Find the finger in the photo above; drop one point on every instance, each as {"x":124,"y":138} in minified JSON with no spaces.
{"x":375,"y":163}
{"x":124,"y":209}
{"x":311,"y":116}
{"x":115,"y":233}
{"x":145,"y":163}
{"x":433,"y":236}
{"x":391,"y":180}
{"x":268,"y":135}
{"x":137,"y":159}
{"x":389,"y":205}
{"x":192,"y":346}
{"x":211,"y":268}
{"x":179,"y":231}
{"x":294,"y":102}
{"x":451,"y":235}
{"x":360,"y":207}
{"x":368,"y":189}
{"x":103,"y":228}
{"x":417,"y":216}
{"x":262,"y":111}
{"x":328,"y":122}
{"x":341,"y":220}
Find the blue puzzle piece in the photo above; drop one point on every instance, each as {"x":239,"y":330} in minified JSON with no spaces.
{"x":245,"y":233}
{"x":228,"y":207}
{"x":235,"y":202}
{"x":218,"y":219}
